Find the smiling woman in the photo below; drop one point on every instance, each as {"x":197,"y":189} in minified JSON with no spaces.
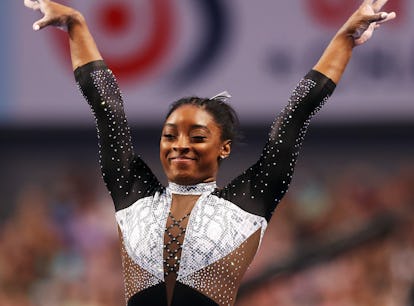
{"x":191,"y":146}
{"x":196,"y":136}
{"x":191,"y":242}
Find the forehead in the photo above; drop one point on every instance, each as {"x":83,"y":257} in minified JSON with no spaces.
{"x":191,"y":115}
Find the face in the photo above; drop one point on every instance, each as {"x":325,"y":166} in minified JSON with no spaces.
{"x":191,"y":146}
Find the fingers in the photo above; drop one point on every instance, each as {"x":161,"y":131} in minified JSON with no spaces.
{"x":363,"y":35}
{"x":36,"y":27}
{"x":42,"y":6}
{"x":377,"y":17}
{"x":390,"y":16}
{"x":34,"y":5}
{"x":368,"y":2}
{"x":381,"y":17}
{"x":40,"y":24}
{"x":377,"y":6}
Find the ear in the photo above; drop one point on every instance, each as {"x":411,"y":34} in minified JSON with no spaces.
{"x":225,"y":149}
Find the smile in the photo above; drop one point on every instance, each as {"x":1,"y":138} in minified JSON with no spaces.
{"x":181,"y":159}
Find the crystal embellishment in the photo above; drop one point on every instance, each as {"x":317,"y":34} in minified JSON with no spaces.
{"x":173,"y":247}
{"x":191,"y":189}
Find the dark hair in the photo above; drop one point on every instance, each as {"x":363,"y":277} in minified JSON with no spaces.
{"x":224,"y":115}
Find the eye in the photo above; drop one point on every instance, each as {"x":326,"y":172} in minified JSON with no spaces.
{"x":198,"y":138}
{"x":168,"y":136}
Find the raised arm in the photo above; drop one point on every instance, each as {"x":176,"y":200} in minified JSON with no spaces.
{"x":82,"y":45}
{"x":356,"y":31}
{"x":260,"y":188}
{"x":125,"y":174}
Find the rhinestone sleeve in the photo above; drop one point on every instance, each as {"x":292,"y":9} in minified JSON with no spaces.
{"x":126,"y":176}
{"x":261,"y":187}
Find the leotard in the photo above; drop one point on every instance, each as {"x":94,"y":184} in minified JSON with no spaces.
{"x":199,"y":258}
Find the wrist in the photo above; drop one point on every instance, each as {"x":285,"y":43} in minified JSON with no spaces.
{"x":75,"y":19}
{"x":345,"y":39}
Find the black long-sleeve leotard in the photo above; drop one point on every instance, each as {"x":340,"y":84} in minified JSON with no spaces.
{"x":225,"y":225}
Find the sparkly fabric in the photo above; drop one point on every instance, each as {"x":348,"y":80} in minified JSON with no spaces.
{"x":173,"y":245}
{"x":261,"y":187}
{"x":216,"y":228}
{"x":135,"y":277}
{"x":191,"y":189}
{"x":142,"y":227}
{"x":225,"y":226}
{"x":221,"y":279}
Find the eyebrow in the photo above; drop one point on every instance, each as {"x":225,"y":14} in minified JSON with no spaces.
{"x":194,"y":126}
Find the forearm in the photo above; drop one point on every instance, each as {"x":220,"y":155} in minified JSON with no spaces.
{"x":336,"y":57}
{"x":83,"y":48}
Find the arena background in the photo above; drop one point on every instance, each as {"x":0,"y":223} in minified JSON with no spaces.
{"x":342,"y":236}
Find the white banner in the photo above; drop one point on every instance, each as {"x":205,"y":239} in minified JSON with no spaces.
{"x":162,"y":50}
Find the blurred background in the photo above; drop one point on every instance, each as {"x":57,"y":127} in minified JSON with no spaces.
{"x":343,"y":235}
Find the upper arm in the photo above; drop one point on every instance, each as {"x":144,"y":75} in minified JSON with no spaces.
{"x":261,"y":187}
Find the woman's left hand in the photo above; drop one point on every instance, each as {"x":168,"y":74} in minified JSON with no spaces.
{"x":366,"y":19}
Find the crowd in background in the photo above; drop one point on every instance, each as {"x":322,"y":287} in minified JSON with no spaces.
{"x":376,"y":271}
{"x":59,"y":242}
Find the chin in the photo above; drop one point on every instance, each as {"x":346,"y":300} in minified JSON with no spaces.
{"x":183,"y":179}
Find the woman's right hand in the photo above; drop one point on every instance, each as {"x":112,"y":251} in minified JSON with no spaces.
{"x":357,"y":30}
{"x":368,"y":17}
{"x":54,"y":14}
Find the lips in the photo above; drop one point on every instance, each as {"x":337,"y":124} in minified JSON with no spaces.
{"x":181,"y":158}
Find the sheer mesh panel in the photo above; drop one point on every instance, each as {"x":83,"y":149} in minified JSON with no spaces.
{"x":173,"y":240}
{"x":221,"y":280}
{"x":136,"y":278}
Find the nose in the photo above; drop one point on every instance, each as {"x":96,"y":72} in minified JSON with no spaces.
{"x":181,"y":144}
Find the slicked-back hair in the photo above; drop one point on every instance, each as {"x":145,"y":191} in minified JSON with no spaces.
{"x":223,"y":114}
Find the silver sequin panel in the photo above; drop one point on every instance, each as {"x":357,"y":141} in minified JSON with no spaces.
{"x":216,"y":228}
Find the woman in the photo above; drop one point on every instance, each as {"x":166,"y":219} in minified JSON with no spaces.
{"x":191,"y":242}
